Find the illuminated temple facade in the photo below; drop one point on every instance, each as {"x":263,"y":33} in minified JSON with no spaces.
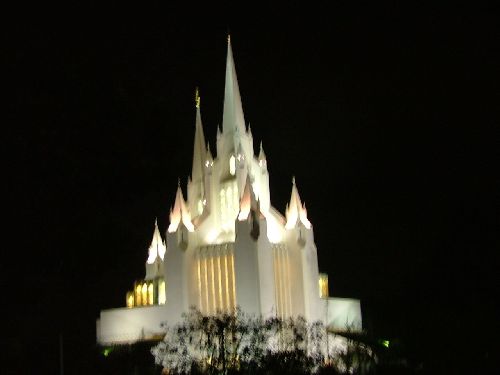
{"x":227,"y":246}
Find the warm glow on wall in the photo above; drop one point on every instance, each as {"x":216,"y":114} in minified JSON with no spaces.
{"x":144,"y":294}
{"x":323,"y":285}
{"x":274,"y":229}
{"x":147,"y":293}
{"x":138,"y":295}
{"x":130,"y":299}
{"x":151,"y":297}
{"x":244,"y":205}
{"x":211,"y":236}
{"x":215,"y":279}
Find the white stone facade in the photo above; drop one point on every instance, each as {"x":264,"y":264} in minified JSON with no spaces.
{"x":226,"y":246}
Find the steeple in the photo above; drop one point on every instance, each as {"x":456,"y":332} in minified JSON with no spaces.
{"x":262,"y":155}
{"x":295,"y":211}
{"x":233,"y":119}
{"x":199,"y":148}
{"x":180,"y":212}
{"x":157,"y":247}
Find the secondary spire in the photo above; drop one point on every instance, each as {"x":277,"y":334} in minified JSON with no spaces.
{"x":180,"y":213}
{"x":199,"y":153}
{"x":157,"y":247}
{"x":295,"y":210}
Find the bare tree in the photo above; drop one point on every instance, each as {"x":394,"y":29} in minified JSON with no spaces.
{"x":226,"y":343}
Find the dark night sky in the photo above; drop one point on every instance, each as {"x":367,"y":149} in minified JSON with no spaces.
{"x":384,"y":115}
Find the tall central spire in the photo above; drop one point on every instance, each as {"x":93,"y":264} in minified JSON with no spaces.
{"x":233,"y":119}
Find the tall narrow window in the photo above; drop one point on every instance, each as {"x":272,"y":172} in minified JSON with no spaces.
{"x":232,"y":165}
{"x":200,"y":207}
{"x":162,"y":296}
{"x":138,"y":295}
{"x":216,"y":279}
{"x":130,"y":299}
{"x":144,"y":295}
{"x":282,"y":281}
{"x":151,"y":296}
{"x":323,"y":285}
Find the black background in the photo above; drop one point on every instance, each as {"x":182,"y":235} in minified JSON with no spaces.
{"x":384,"y":114}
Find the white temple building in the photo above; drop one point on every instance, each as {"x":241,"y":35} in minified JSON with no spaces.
{"x":227,"y":246}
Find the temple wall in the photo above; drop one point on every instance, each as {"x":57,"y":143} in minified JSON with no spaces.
{"x":124,"y":325}
{"x":246,"y":269}
{"x":342,"y":314}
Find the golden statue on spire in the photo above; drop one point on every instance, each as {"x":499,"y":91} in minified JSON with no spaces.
{"x":197,"y":98}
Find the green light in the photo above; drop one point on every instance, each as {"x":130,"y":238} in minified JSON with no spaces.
{"x":107,"y":351}
{"x":385,"y":343}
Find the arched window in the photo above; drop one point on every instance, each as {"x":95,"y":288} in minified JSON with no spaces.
{"x":130,"y":299}
{"x":151,"y":296}
{"x":232,"y":165}
{"x":144,"y":294}
{"x":138,"y":295}
{"x":162,"y":296}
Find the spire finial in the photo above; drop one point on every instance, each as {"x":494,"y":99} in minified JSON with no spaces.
{"x":178,"y":182}
{"x":228,"y":38}
{"x":197,"y":97}
{"x":233,"y":120}
{"x":293,"y":180}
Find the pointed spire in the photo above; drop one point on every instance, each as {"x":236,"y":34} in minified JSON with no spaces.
{"x":295,"y":210}
{"x":180,"y":213}
{"x":157,"y":247}
{"x":262,"y":155}
{"x":197,"y":98}
{"x":199,"y":144}
{"x":233,"y":119}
